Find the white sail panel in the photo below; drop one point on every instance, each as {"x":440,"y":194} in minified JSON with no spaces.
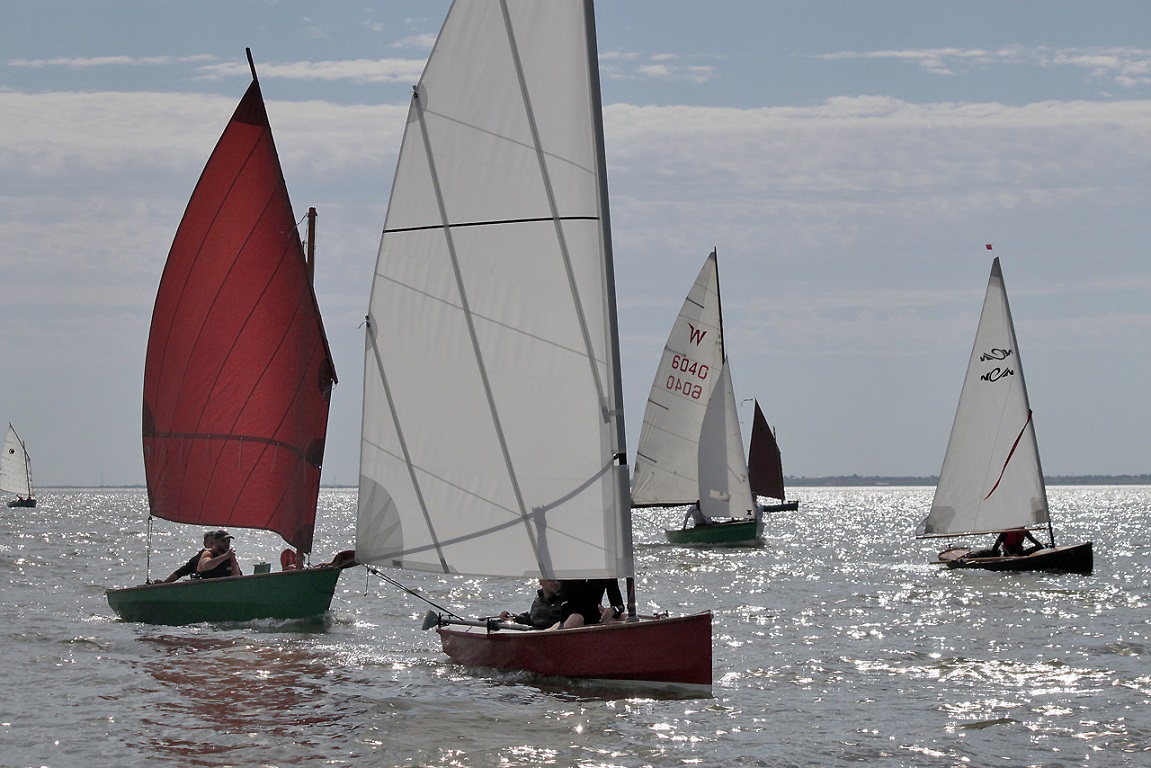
{"x":724,"y":490}
{"x":666,"y":458}
{"x":492,"y":414}
{"x":991,"y":478}
{"x":15,"y":474}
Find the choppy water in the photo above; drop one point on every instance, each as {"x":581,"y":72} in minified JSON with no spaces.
{"x":837,"y":643}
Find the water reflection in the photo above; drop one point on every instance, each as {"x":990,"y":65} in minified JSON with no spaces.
{"x":238,"y":692}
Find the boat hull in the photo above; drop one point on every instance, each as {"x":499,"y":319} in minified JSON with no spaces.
{"x":727,"y":534}
{"x":26,"y":503}
{"x":1074,"y":558}
{"x":297,"y":594}
{"x":786,"y":506}
{"x":673,"y":652}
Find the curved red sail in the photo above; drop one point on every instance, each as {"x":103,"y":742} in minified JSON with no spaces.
{"x":238,"y":376}
{"x":764,"y":464}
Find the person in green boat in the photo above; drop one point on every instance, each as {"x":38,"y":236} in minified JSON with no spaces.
{"x":220,"y":560}
{"x":189,"y":568}
{"x":696,"y":515}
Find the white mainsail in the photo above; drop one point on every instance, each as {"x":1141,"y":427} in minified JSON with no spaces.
{"x":724,"y":490}
{"x":991,"y":478}
{"x":493,"y":439}
{"x":15,"y":468}
{"x":666,"y":462}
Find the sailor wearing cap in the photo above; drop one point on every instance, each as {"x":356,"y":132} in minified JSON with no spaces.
{"x":219,"y":560}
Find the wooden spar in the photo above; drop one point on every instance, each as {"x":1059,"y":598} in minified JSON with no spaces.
{"x":310,"y":256}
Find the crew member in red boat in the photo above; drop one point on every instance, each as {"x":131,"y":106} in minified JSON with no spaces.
{"x":220,"y":560}
{"x":189,"y":568}
{"x":583,"y":602}
{"x":545,"y":610}
{"x":1013,"y":543}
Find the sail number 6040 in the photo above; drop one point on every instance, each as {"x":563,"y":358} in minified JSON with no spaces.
{"x":691,"y":369}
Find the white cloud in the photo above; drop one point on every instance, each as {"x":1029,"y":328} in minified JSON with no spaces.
{"x":1127,"y":67}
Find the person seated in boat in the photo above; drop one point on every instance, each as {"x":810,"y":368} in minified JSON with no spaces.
{"x":1012,"y":543}
{"x":696,"y":515}
{"x":189,"y":568}
{"x":220,"y":560}
{"x":545,"y":610}
{"x":582,"y":602}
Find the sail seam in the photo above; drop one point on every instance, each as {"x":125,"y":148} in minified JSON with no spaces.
{"x":493,"y":222}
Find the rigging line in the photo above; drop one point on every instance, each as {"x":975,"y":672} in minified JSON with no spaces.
{"x":1009,"y":455}
{"x":383,"y":576}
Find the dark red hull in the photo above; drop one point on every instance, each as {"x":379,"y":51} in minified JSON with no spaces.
{"x":674,"y":651}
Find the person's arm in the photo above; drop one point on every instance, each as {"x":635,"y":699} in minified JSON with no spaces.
{"x":207,"y":562}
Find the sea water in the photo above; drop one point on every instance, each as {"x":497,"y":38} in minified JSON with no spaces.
{"x":836,"y":643}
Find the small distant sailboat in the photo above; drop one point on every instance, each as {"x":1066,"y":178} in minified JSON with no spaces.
{"x":991,"y":481}
{"x":237,"y":382}
{"x":16,"y":471}
{"x":493,"y":423}
{"x":691,"y":431}
{"x":765,"y":465}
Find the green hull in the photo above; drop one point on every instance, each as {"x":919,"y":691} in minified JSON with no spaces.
{"x":734,"y":534}
{"x":301,"y":594}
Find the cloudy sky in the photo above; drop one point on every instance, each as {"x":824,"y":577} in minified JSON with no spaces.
{"x":848,"y":160}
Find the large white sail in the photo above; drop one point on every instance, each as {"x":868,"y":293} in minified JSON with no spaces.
{"x":15,"y":471}
{"x":493,"y":438}
{"x":667,"y":455}
{"x":991,"y":478}
{"x":724,"y":490}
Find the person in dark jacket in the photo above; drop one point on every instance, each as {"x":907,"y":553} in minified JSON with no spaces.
{"x":583,"y":602}
{"x":545,"y":610}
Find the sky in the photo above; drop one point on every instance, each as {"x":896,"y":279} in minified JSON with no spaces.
{"x":849,"y":161}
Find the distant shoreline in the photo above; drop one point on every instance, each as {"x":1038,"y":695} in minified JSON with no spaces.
{"x":931,"y":481}
{"x":832,"y":481}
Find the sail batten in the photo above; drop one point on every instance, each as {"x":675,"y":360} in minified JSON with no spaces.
{"x":238,"y":375}
{"x":991,"y":479}
{"x":491,"y":386}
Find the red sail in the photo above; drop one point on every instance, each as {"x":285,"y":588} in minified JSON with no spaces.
{"x":764,"y":465}
{"x":238,"y":376}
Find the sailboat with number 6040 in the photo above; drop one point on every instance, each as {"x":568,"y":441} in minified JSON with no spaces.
{"x":493,"y":425}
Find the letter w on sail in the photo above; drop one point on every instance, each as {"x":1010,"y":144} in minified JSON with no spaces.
{"x":696,"y":334}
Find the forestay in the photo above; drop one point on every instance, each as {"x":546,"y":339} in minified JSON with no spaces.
{"x":723,"y":485}
{"x":666,"y":459}
{"x":991,"y":478}
{"x":493,"y":436}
